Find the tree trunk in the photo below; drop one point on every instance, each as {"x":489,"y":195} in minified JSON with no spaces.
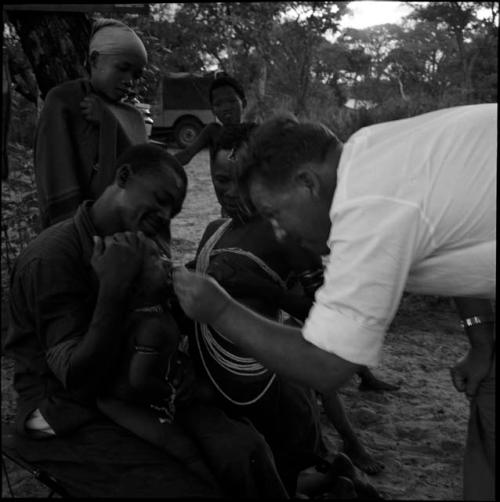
{"x":6,"y":102}
{"x":56,"y":45}
{"x":404,"y":97}
{"x":303,"y":81}
{"x":262,"y":80}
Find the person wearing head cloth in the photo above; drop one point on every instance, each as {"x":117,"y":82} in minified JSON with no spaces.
{"x":84,"y":124}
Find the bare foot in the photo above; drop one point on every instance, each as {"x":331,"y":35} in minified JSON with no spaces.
{"x":365,"y":490}
{"x":342,"y":466}
{"x":343,"y":489}
{"x":376,"y":385}
{"x":362,"y":459}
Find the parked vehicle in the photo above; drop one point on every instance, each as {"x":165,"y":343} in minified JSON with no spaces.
{"x":182,"y":107}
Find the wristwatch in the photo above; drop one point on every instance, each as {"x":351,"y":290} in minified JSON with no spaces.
{"x":475,"y":320}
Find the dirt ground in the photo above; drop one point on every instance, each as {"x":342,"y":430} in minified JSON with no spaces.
{"x":418,"y":432}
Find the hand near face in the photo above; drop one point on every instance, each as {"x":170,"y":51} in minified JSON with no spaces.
{"x":200,"y":296}
{"x":91,"y":109}
{"x":117,"y":259}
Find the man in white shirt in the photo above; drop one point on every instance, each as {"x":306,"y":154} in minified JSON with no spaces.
{"x":414,"y":209}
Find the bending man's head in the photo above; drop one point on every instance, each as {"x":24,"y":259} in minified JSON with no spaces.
{"x":289,"y":172}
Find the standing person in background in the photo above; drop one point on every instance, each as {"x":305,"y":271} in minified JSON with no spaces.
{"x":84,"y":125}
{"x":227,"y":98}
{"x":407,"y":205}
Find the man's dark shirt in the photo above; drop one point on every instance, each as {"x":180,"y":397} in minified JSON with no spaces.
{"x":53,"y":292}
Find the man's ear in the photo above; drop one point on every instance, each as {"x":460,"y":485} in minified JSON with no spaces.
{"x":93,"y":59}
{"x":123,"y":174}
{"x":307,"y":178}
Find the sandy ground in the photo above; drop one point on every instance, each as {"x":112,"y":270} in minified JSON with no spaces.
{"x":418,"y":432}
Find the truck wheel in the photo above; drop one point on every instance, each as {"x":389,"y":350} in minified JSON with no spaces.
{"x":186,"y":131}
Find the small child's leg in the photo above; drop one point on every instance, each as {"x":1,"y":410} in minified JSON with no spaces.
{"x":352,"y":445}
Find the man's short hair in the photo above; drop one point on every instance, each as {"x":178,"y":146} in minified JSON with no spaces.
{"x":150,"y":159}
{"x":225,"y":80}
{"x":276,"y":149}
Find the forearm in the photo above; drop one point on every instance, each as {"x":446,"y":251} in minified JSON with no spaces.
{"x":481,"y":335}
{"x":94,"y":357}
{"x":283,"y":349}
{"x":184,"y":156}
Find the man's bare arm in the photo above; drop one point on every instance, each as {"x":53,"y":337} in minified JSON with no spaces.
{"x":278,"y":347}
{"x":478,"y":318}
{"x":202,"y":141}
{"x":482,"y":334}
{"x":117,"y":260}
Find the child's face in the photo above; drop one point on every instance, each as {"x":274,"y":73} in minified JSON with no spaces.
{"x":227,"y":105}
{"x":114,"y":74}
{"x":224,"y":180}
{"x":155,"y":280}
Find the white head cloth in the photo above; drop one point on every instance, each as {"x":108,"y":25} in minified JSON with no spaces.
{"x":110,"y":36}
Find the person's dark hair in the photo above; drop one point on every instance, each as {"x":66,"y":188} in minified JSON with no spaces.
{"x":149,"y":159}
{"x":224,"y":80}
{"x":276,"y":148}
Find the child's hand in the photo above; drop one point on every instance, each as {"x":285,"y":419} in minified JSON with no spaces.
{"x":91,"y":109}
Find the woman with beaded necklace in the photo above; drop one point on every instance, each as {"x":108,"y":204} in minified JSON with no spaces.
{"x":243,"y":255}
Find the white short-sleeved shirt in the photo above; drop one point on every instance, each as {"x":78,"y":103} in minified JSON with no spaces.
{"x":414,"y":210}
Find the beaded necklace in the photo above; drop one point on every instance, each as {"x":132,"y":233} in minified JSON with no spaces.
{"x":206,"y":336}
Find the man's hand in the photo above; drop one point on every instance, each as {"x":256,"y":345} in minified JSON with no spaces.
{"x":118,"y":259}
{"x":199,"y":295}
{"x":469,"y":371}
